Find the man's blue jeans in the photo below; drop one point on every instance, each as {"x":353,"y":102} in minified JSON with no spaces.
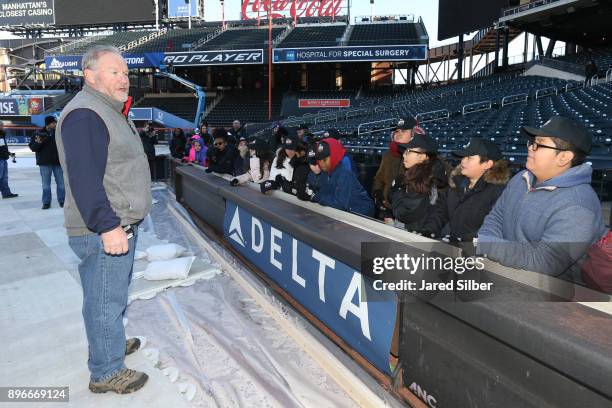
{"x":4,"y":187}
{"x":105,"y":280}
{"x":58,"y":174}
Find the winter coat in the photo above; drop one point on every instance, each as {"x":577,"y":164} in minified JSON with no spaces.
{"x":177,"y":146}
{"x":411,"y":208}
{"x":544,"y":227}
{"x":46,"y":149}
{"x":4,"y":151}
{"x":391,"y":166}
{"x":149,"y":140}
{"x":340,"y":188}
{"x":286,"y":171}
{"x":226,"y":161}
{"x":464,"y":209}
{"x":297,"y":185}
{"x":254,"y":174}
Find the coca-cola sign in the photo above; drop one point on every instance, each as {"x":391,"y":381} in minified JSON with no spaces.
{"x":254,"y":9}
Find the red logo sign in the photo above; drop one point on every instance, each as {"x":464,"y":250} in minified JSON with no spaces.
{"x":324,"y":103}
{"x":252,"y":9}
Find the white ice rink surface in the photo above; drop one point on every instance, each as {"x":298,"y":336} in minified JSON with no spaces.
{"x":207,"y":345}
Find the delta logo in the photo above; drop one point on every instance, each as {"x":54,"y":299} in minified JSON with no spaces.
{"x":57,"y":64}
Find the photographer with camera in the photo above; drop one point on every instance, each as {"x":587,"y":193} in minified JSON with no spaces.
{"x":47,"y":159}
{"x":4,"y":156}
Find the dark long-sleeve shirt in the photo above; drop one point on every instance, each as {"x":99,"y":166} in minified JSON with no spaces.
{"x":85,"y":139}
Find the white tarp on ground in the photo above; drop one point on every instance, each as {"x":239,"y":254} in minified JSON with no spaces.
{"x":210,"y":337}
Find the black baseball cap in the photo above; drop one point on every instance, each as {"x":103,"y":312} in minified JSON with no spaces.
{"x":480,"y":147}
{"x":421,"y":141}
{"x":255,"y":143}
{"x":406,"y":123}
{"x":319,"y":151}
{"x":564,"y":129}
{"x":290,"y":143}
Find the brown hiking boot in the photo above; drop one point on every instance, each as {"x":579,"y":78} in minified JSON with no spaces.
{"x":131,"y":345}
{"x":124,"y":382}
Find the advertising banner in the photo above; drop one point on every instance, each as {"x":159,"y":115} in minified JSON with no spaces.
{"x":141,"y":114}
{"x":258,"y":9}
{"x":26,"y":13}
{"x":180,"y":8}
{"x":73,"y":62}
{"x":324,"y":103}
{"x":350,"y":54}
{"x":22,"y":106}
{"x":230,"y":57}
{"x":326,"y":287}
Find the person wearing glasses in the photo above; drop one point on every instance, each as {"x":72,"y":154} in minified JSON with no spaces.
{"x":415,"y":192}
{"x":223,"y":158}
{"x":548,"y":215}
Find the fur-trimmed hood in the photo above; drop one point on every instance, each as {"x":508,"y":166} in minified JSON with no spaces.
{"x":499,"y":175}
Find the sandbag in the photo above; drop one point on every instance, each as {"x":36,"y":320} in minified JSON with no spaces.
{"x":172,"y":269}
{"x":164,"y":252}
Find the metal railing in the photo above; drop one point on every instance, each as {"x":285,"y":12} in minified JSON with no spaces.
{"x":561,"y":65}
{"x":510,"y":99}
{"x":433,"y":116}
{"x":61,"y":49}
{"x":478,"y":107}
{"x":393,"y":120}
{"x":209,"y":37}
{"x":525,"y":7}
{"x":279,"y":38}
{"x":331,"y":117}
{"x":573,"y":85}
{"x":541,"y":93}
{"x":143,"y":40}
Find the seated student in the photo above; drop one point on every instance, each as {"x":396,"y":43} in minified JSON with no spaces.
{"x":332,"y":181}
{"x":548,"y":215}
{"x":259,"y":163}
{"x":475,"y":186}
{"x":223,"y":158}
{"x":282,"y":167}
{"x":415,"y":192}
{"x":197,"y":152}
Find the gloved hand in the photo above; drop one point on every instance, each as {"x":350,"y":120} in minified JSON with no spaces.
{"x":208,"y":170}
{"x":279,"y":179}
{"x":425,"y":233}
{"x":267,"y":186}
{"x":234,"y":182}
{"x":185,"y":160}
{"x":306,"y":195}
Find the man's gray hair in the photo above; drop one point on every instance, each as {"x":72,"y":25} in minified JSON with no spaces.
{"x":92,"y":55}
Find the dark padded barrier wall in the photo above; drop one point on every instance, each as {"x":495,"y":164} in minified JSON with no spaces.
{"x":485,"y":354}
{"x":507,"y":355}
